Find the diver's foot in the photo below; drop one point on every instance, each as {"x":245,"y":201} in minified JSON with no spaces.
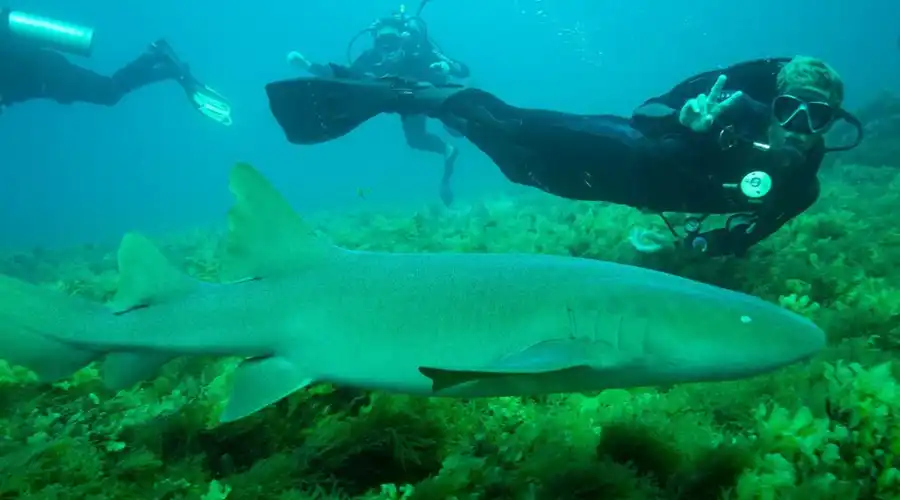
{"x":449,"y":163}
{"x":166,"y":61}
{"x":446,"y":194}
{"x":450,"y":157}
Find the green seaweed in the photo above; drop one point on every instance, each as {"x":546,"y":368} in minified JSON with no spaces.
{"x":824,"y":429}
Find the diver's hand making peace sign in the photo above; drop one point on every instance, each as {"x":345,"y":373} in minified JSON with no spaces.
{"x":702,"y":111}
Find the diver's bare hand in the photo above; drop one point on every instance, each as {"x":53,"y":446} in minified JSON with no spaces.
{"x":441,"y":67}
{"x":701,"y":112}
{"x":298,"y":60}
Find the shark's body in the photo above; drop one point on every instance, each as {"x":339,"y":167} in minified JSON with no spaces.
{"x":430,"y":324}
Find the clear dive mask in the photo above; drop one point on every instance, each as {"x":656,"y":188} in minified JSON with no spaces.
{"x":410,"y":29}
{"x":808,"y":115}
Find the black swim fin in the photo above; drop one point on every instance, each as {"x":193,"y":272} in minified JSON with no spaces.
{"x":314,"y":110}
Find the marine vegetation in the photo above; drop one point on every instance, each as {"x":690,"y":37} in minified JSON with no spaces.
{"x":825,"y":429}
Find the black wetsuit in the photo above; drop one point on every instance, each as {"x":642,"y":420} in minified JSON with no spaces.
{"x":650,"y":161}
{"x":414,"y":65}
{"x":29,"y":72}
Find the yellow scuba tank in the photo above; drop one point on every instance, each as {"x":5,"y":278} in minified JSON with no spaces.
{"x":51,"y":33}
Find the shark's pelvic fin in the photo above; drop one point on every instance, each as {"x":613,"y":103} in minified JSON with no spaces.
{"x":546,"y":357}
{"x":445,"y":379}
{"x":146,"y":278}
{"x":265,"y":236}
{"x":259,"y":382}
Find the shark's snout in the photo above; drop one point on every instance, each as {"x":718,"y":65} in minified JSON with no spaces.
{"x":714,"y":334}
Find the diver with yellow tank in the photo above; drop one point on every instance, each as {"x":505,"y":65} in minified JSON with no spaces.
{"x":32,"y":66}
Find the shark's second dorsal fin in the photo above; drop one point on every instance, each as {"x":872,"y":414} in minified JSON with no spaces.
{"x":146,"y":277}
{"x":265,"y":236}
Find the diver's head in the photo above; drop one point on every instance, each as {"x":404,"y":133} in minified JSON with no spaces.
{"x":388,"y":41}
{"x":398,"y":33}
{"x":810,"y":95}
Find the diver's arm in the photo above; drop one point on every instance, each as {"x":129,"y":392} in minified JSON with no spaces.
{"x":320,"y":70}
{"x":747,"y":115}
{"x":657,"y":118}
{"x":458,"y":69}
{"x":364,"y":64}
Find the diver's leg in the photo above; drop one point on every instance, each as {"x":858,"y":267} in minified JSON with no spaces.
{"x":66,"y":82}
{"x":418,"y":137}
{"x":150,"y":67}
{"x":62,"y":81}
{"x":488,"y":123}
{"x":585,"y":157}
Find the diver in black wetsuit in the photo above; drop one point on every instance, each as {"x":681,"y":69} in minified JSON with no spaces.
{"x":401,"y":47}
{"x":751,"y":147}
{"x":33,"y":67}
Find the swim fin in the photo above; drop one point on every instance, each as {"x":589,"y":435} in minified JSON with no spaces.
{"x":208,"y":102}
{"x":313,"y":110}
{"x":204,"y":99}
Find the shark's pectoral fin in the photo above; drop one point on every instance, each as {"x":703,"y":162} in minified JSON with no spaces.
{"x":259,"y":382}
{"x":265,"y":236}
{"x":545,"y":357}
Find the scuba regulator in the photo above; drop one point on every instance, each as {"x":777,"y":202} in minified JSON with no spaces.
{"x":46,"y":32}
{"x":756,"y":184}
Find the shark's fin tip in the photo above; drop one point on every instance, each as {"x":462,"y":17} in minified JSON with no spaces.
{"x":259,"y":382}
{"x":265,"y":236}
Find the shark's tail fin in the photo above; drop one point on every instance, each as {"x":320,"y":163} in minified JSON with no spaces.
{"x":42,"y":329}
{"x":34,"y":322}
{"x":266,"y":240}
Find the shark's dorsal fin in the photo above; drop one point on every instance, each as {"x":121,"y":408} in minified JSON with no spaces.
{"x":146,"y":277}
{"x":265,"y":236}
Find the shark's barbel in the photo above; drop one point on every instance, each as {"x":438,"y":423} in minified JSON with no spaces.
{"x":302,"y":311}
